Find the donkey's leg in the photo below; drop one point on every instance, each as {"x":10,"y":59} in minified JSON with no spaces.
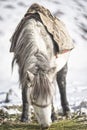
{"x":54,"y":114}
{"x":25,"y":103}
{"x":61,"y":80}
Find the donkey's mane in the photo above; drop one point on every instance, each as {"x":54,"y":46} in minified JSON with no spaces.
{"x":30,"y":58}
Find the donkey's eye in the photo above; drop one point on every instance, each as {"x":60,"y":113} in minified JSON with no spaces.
{"x":28,"y":84}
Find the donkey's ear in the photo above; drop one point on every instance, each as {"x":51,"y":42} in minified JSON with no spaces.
{"x":52,"y":70}
{"x":30,"y":76}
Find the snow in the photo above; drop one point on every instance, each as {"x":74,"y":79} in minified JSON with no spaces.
{"x":10,"y":111}
{"x":75,"y":18}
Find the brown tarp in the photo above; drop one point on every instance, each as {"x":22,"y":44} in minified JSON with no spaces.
{"x":54,"y":26}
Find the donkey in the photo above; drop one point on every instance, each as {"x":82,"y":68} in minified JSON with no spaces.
{"x":36,"y":54}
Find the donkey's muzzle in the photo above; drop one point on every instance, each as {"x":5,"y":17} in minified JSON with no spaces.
{"x":45,"y":127}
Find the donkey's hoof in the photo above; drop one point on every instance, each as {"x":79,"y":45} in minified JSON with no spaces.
{"x":54,"y":117}
{"x":66,"y":111}
{"x":67,"y":114}
{"x":23,"y":119}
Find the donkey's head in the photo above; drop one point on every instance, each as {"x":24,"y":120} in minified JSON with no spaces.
{"x":41,"y":96}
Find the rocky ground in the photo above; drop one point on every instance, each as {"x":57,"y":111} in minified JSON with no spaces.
{"x":77,"y":121}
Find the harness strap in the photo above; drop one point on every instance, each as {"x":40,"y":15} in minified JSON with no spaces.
{"x":42,"y":106}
